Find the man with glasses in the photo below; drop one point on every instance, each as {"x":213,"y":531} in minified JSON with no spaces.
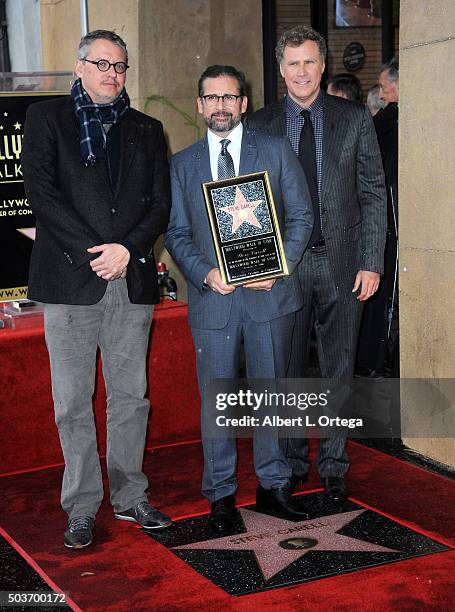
{"x":96,"y":175}
{"x":221,"y":315}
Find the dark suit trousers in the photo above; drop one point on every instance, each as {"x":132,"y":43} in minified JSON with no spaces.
{"x":266,"y":348}
{"x":336,"y":319}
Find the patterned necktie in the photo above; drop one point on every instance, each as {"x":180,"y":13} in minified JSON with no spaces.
{"x":307,"y":156}
{"x":225,"y":163}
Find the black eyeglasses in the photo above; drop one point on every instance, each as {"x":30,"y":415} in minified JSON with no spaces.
{"x":104,"y":65}
{"x":227,"y":99}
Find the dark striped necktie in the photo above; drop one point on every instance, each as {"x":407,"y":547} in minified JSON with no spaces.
{"x":307,"y":156}
{"x":225,"y":163}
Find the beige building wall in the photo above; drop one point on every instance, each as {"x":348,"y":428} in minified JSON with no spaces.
{"x":170,"y":43}
{"x":61,"y":33}
{"x":178,"y":40}
{"x":427,"y":211}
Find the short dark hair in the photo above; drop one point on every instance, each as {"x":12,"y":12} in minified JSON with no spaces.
{"x":296,"y":37}
{"x":216,"y":71}
{"x":392,"y":69}
{"x":348,"y":84}
{"x":112,"y":37}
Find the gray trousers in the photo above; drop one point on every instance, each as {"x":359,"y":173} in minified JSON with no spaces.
{"x":337,"y":320}
{"x":267,"y":347}
{"x":73,"y":334}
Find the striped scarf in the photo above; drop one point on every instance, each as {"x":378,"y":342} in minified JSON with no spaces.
{"x":91,"y":116}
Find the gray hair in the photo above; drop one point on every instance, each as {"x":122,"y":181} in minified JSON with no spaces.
{"x":374,"y":102}
{"x":89,"y":38}
{"x":296,"y":37}
{"x":391,"y":67}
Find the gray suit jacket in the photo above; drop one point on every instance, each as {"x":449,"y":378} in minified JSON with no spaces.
{"x":189,"y":240}
{"x":353,"y":195}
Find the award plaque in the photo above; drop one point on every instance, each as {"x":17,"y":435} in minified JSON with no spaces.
{"x":245,"y":228}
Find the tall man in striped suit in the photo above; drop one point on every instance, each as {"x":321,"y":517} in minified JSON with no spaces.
{"x":337,"y":147}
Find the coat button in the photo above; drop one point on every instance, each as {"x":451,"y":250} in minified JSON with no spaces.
{"x":113,"y":211}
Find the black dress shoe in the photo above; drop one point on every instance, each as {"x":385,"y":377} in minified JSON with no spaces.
{"x":223,"y":512}
{"x":335,"y":487}
{"x":280,"y":502}
{"x":296,"y":480}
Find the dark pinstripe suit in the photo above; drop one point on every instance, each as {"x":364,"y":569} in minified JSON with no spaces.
{"x":353,"y":218}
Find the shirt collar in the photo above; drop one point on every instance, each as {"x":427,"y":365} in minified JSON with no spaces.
{"x":235,"y":137}
{"x":293,"y":109}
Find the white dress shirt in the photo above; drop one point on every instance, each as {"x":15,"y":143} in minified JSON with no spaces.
{"x":234,"y":149}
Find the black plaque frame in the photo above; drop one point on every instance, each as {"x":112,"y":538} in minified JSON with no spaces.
{"x":251,"y":253}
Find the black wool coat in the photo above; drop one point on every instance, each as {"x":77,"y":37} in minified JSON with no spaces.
{"x":76,"y":207}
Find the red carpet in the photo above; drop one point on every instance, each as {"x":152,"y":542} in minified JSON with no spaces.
{"x":126,"y":570}
{"x":27,"y":430}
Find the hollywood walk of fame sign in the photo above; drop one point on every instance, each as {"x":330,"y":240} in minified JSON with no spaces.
{"x":245,"y":228}
{"x":263,"y":551}
{"x":17,"y":223}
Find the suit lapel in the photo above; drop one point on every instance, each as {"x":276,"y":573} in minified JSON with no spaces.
{"x":278,"y":124}
{"x":129,"y":138}
{"x":248,"y":153}
{"x":334,"y":132}
{"x":201,"y":158}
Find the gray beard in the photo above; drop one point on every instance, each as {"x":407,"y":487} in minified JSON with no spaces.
{"x":221,"y":124}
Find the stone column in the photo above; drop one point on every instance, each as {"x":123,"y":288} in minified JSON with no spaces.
{"x":427,"y":213}
{"x":178,"y":40}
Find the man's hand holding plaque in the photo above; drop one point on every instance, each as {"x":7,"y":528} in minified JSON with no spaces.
{"x":245,"y":233}
{"x":215,"y":282}
{"x":265,"y":285}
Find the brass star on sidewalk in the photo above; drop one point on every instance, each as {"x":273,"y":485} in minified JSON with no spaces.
{"x":277,"y":542}
{"x":242,"y":211}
